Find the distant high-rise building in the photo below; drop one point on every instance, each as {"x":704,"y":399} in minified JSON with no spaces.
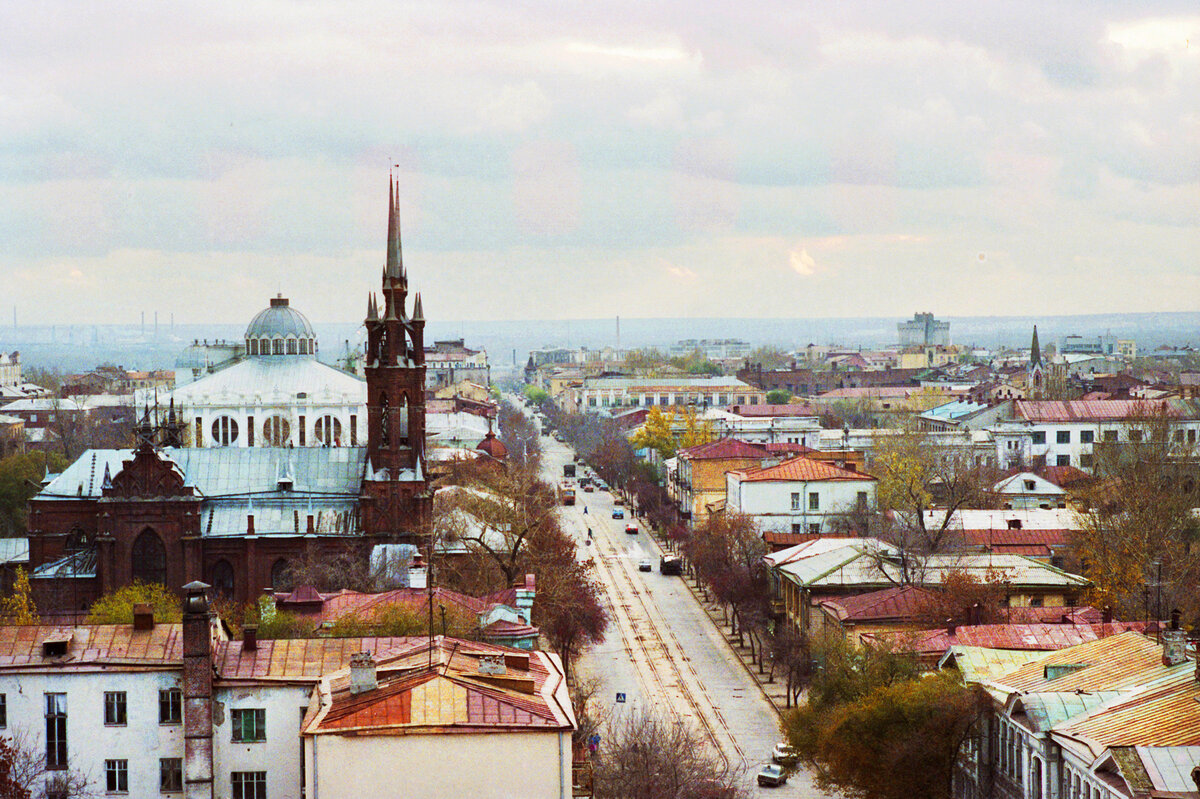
{"x":924,"y":331}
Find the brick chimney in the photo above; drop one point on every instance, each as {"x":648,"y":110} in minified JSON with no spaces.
{"x":250,"y":638}
{"x":418,"y":573}
{"x":197,"y":693}
{"x":143,"y":616}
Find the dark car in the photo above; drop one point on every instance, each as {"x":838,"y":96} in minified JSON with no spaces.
{"x":771,"y":776}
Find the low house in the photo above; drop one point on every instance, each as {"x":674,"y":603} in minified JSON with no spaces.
{"x":800,"y":495}
{"x":1111,"y":718}
{"x":700,"y":472}
{"x":460,"y":719}
{"x":848,"y":566}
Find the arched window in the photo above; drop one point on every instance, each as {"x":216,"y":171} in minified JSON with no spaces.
{"x":276,"y":431}
{"x":220,"y":577}
{"x":385,"y":421}
{"x":402,"y":421}
{"x":381,"y":353}
{"x":149,"y":558}
{"x":277,"y":347}
{"x":224,"y":431}
{"x":254,"y":346}
{"x":281,"y":577}
{"x":291,"y":346}
{"x":328,"y":431}
{"x":264,"y":346}
{"x":304,"y":346}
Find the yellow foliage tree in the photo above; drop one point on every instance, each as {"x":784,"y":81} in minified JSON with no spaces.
{"x":18,"y":607}
{"x":668,"y":430}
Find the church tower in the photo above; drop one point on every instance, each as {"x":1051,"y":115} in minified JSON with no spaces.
{"x":1036,"y":377}
{"x":395,"y":487}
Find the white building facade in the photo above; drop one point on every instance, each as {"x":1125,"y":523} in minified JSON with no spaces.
{"x":799,"y":496}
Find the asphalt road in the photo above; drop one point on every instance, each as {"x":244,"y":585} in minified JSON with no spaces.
{"x":662,"y":650}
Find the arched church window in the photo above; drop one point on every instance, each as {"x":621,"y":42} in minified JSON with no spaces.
{"x":385,"y":421}
{"x":281,"y":576}
{"x":277,"y":347}
{"x":264,"y":346}
{"x":304,"y":346}
{"x":77,"y":540}
{"x":224,"y":431}
{"x":276,"y":431}
{"x":220,"y":577}
{"x":291,"y":346}
{"x":149,"y":558}
{"x":254,"y":346}
{"x":381,"y":353}
{"x":328,"y":431}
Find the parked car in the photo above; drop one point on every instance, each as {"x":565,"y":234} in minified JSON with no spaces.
{"x":618,"y":513}
{"x":588,"y":488}
{"x":645,"y":565}
{"x":618,"y":500}
{"x":771,"y":776}
{"x":631,"y":528}
{"x":671,"y":565}
{"x":783,"y":754}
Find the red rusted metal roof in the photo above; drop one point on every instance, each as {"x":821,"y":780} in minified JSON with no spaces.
{"x":94,"y":644}
{"x":801,"y":470}
{"x":723,"y":448}
{"x":1034,"y":636}
{"x":1165,"y":716}
{"x":1092,"y":410}
{"x":901,"y":602}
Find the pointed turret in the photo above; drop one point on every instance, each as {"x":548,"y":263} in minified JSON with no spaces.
{"x":418,"y":311}
{"x":1035,"y":351}
{"x":394,"y":266}
{"x":372,"y":315}
{"x":107,"y":481}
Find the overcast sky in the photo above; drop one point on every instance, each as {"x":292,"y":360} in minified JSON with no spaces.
{"x":557,"y":160}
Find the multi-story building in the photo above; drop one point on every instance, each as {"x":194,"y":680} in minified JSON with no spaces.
{"x":154,"y":709}
{"x":10,"y":369}
{"x":594,"y":394}
{"x":923,"y":330}
{"x":717,"y":349}
{"x":800,"y":495}
{"x":450,"y":362}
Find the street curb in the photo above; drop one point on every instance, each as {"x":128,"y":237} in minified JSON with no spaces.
{"x":737,"y":655}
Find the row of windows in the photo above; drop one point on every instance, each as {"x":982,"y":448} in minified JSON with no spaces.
{"x":1110,"y":436}
{"x":170,"y":707}
{"x":672,"y":399}
{"x":277,"y":430}
{"x":281,"y":346}
{"x":244,"y":784}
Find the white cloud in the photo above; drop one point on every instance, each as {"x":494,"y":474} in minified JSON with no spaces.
{"x":802,"y":263}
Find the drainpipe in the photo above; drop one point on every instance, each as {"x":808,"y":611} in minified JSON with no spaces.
{"x":197,"y":693}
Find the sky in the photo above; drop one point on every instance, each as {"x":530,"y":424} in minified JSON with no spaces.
{"x":574,"y":160}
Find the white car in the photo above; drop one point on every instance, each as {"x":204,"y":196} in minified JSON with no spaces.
{"x":645,"y":565}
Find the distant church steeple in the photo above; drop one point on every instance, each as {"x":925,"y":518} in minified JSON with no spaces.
{"x":1037,"y":380}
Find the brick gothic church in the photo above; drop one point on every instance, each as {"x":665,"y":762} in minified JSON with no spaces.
{"x":235,"y":516}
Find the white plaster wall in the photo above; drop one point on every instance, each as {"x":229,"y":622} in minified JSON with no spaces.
{"x":142,"y":741}
{"x":531,"y":765}
{"x":279,"y":755}
{"x":770,"y":502}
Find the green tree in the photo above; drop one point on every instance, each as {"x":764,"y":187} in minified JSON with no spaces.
{"x":20,"y":479}
{"x":536,"y":395}
{"x":896,"y":741}
{"x":779,"y":396}
{"x":667,"y":431}
{"x":117,"y":607}
{"x":770,"y":357}
{"x":18,"y":607}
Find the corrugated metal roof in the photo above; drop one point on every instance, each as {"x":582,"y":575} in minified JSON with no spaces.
{"x":1167,"y":715}
{"x":279,"y":514}
{"x":1170,"y":767}
{"x":978,"y":664}
{"x":1033,"y":637}
{"x":900,"y":602}
{"x":303,"y":659}
{"x":723,"y":448}
{"x":1099,"y":410}
{"x":1110,"y":663}
{"x":1046,"y":710}
{"x":225,"y":471}
{"x":274,"y":381}
{"x":93,"y":645}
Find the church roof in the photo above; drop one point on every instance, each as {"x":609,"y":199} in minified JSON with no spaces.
{"x":227,"y":471}
{"x":279,"y":320}
{"x":274,"y":381}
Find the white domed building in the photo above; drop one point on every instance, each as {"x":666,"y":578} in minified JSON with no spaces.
{"x":278,"y":395}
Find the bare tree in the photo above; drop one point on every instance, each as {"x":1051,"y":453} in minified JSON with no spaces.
{"x":646,"y":756}
{"x":23,"y":773}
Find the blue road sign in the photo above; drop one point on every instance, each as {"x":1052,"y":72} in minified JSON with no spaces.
{"x":620,"y":697}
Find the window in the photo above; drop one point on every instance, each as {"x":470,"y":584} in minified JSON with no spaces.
{"x":56,"y":731}
{"x":861,"y":500}
{"x":797,"y":529}
{"x":814,"y":528}
{"x":1192,"y":436}
{"x":199,"y":432}
{"x":1035,"y":602}
{"x":1110,"y":435}
{"x":300,"y":433}
{"x":814,"y":501}
{"x":3,"y":711}
{"x":276,"y":431}
{"x":795,"y":500}
{"x":170,"y":706}
{"x":1063,"y":460}
{"x":328,"y":431}
{"x":249,"y":725}
{"x":114,"y":707}
{"x":1030,"y":485}
{"x":304,"y":346}
{"x":1039,"y":437}
{"x":249,"y":784}
{"x":1087,"y":436}
{"x":249,"y":431}
{"x":149,"y":558}
{"x":354,"y":430}
{"x":116,"y":776}
{"x":170,"y":774}
{"x":1086,"y":461}
{"x":291,"y":346}
{"x":224,"y":431}
{"x":1135,"y":435}
{"x":1063,"y":437}
{"x":277,"y":346}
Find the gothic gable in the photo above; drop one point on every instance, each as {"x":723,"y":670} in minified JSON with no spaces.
{"x":148,"y":475}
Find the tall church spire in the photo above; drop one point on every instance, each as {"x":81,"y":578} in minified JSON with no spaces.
{"x":1035,"y":351}
{"x":395,"y":267}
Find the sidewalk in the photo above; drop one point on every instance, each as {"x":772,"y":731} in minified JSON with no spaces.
{"x":775,"y":692}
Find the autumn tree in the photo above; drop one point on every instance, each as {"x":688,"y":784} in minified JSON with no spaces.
{"x":519,"y":436}
{"x":117,"y":607}
{"x":18,"y":607}
{"x":23,"y":772}
{"x":668,"y":430}
{"x":20,"y":479}
{"x":727,"y":552}
{"x":769,"y":357}
{"x":1138,"y":540}
{"x":646,"y":756}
